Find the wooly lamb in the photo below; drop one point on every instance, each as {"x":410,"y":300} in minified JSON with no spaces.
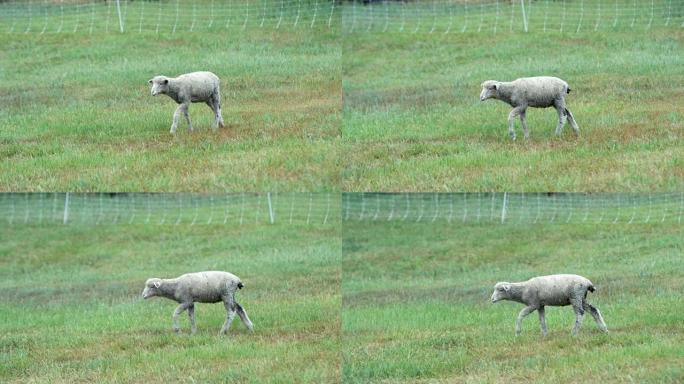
{"x":200,"y":287}
{"x":552,"y":290}
{"x":192,"y":87}
{"x":537,"y":92}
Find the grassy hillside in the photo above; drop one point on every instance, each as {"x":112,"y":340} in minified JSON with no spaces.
{"x":416,"y":303}
{"x":413,"y":120}
{"x":77,"y":114}
{"x":71,"y":306}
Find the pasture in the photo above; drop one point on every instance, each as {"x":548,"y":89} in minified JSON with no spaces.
{"x":76,"y":111}
{"x":412,"y":119}
{"x":71,"y":308}
{"x":416,"y":303}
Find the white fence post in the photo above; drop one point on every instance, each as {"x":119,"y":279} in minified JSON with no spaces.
{"x":118,"y":9}
{"x":522,"y":5}
{"x":270,"y":207}
{"x":65,"y":218}
{"x":504,"y":208}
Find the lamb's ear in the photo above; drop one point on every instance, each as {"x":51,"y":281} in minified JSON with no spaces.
{"x":157,"y":284}
{"x":149,"y":81}
{"x":507,"y":287}
{"x":495,"y":86}
{"x":165,"y":81}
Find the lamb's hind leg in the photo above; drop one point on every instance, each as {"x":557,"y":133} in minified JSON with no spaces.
{"x":191,"y":315}
{"x":184,"y":108}
{"x":229,"y":303}
{"x":243,"y":316}
{"x":523,"y":121}
{"x":596,"y":314}
{"x":572,"y":121}
{"x":579,"y":314}
{"x":217,"y":108}
{"x":560,"y":108}
{"x":542,"y":320}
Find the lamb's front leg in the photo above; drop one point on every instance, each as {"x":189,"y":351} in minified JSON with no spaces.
{"x":511,"y":121}
{"x":179,"y":309}
{"x":176,"y":116}
{"x":518,"y":323}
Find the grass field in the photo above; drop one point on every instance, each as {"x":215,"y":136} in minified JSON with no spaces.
{"x":416,"y":303}
{"x":76,"y":111}
{"x":412,"y":119}
{"x":71,"y":309}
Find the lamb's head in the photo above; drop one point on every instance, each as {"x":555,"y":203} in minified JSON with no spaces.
{"x":489,"y":90}
{"x":160,"y":85}
{"x":502,"y":291}
{"x":152,"y":288}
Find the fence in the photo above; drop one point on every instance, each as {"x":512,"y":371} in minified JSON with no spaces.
{"x":162,"y":16}
{"x":169,"y":209}
{"x":512,"y":208}
{"x":416,"y":16}
{"x":330,"y":208}
{"x":501,"y":16}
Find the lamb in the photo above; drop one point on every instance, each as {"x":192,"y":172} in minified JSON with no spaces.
{"x":190,"y":88}
{"x":552,"y":290}
{"x":538,"y":92}
{"x":200,"y":287}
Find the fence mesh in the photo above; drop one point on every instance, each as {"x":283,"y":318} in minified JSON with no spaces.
{"x":502,"y":16}
{"x":511,"y":208}
{"x":330,"y":208}
{"x":162,"y":16}
{"x":169,"y":209}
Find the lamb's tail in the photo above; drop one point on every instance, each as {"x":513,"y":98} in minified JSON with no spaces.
{"x":243,"y":316}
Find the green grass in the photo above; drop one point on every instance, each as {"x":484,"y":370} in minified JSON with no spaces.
{"x":71,"y":307}
{"x":412,"y":119}
{"x":76,"y":111}
{"x":416,"y":303}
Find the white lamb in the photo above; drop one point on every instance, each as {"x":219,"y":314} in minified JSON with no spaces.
{"x":200,"y":287}
{"x":192,"y":87}
{"x":538,"y":92}
{"x":552,"y":290}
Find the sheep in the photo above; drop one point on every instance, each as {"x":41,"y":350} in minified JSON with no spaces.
{"x":190,"y":88}
{"x":538,"y":92}
{"x":552,"y":290}
{"x":200,"y":287}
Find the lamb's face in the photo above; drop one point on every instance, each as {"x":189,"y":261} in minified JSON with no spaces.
{"x":489,"y":88}
{"x":501,"y":292}
{"x":160,"y":85}
{"x":151,"y":288}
